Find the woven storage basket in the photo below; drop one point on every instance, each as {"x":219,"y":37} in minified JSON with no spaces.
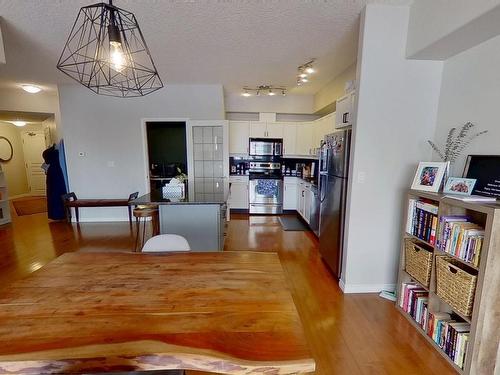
{"x":418,"y":262}
{"x":455,"y":285}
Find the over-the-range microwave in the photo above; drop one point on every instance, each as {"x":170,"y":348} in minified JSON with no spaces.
{"x":266,"y":147}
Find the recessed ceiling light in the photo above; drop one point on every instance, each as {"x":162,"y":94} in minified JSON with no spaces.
{"x":18,"y":123}
{"x":32,"y":89}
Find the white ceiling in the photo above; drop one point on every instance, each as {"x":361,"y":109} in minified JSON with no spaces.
{"x":233,"y":42}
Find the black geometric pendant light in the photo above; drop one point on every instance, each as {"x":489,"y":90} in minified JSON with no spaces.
{"x":107,"y":53}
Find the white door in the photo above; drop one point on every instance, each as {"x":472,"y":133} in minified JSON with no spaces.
{"x":33,"y":146}
{"x":238,"y":137}
{"x":307,"y":205}
{"x":258,"y":129}
{"x":274,"y":130}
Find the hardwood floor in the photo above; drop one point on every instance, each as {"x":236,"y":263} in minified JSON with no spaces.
{"x":348,"y":334}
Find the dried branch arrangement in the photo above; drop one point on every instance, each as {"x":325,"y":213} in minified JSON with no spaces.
{"x":456,"y":143}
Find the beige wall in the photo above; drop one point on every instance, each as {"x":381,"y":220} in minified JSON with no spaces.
{"x":15,"y":172}
{"x":334,"y":89}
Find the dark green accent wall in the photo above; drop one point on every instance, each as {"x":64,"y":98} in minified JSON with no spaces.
{"x":167,"y":143}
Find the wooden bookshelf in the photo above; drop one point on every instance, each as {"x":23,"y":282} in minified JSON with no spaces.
{"x":4,"y":200}
{"x":485,"y":326}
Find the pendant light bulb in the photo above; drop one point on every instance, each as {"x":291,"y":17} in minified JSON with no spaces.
{"x":304,"y":80}
{"x":303,"y":75}
{"x":246,"y":94}
{"x":271,"y":93}
{"x":116,"y":56}
{"x":283,"y":92}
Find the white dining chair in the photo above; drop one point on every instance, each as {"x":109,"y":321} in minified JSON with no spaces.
{"x":164,"y":243}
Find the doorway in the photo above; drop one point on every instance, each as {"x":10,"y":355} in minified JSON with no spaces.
{"x":34,"y":143}
{"x":167,"y":152}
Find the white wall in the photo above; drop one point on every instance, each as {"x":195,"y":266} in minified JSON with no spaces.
{"x":264,"y":103}
{"x":334,"y":89}
{"x":109,"y":129}
{"x":470,"y":91}
{"x":397,"y":109}
{"x":443,"y":28}
{"x":21,"y":101}
{"x":15,"y":173}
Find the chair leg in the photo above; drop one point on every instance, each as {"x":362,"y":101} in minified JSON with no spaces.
{"x":130,"y":215}
{"x":77,"y":214}
{"x":138,"y":223}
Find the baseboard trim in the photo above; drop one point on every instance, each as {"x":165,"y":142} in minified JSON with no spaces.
{"x":365,"y":288}
{"x":21,"y":196}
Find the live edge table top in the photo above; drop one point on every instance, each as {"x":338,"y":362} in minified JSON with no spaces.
{"x":222,"y":312}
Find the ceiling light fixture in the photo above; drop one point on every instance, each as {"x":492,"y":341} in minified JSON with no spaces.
{"x":32,"y":89}
{"x":18,"y":123}
{"x":303,"y":72}
{"x":106,"y":52}
{"x":269,"y":89}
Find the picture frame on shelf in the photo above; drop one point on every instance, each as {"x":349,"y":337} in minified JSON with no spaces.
{"x":429,"y":176}
{"x":459,"y":185}
{"x":486,"y":170}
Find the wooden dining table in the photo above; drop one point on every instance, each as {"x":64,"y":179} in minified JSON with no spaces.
{"x":220,"y":312}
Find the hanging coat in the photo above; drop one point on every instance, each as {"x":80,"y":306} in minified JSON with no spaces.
{"x":56,"y":186}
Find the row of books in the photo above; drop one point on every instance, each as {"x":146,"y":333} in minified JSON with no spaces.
{"x":460,"y":237}
{"x":415,"y":301}
{"x":422,"y":220}
{"x":449,"y":335}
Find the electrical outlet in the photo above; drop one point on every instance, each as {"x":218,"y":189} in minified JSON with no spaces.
{"x":82,"y":154}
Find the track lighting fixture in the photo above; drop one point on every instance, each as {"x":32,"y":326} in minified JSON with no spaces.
{"x":269,"y":90}
{"x":304,"y":71}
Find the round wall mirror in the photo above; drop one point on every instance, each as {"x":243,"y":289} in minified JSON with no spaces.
{"x":6,"y":150}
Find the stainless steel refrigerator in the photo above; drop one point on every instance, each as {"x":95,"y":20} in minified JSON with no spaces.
{"x":333,"y":177}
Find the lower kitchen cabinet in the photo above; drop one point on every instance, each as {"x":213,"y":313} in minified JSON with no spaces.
{"x":290,"y":194}
{"x":238,"y":197}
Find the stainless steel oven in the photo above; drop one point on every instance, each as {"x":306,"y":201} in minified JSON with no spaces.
{"x":266,"y":147}
{"x":265,"y":188}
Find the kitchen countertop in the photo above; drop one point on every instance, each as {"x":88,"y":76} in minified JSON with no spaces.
{"x":195,"y":194}
{"x":311,"y":180}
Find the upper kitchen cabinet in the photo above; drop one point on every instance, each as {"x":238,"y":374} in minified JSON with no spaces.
{"x":239,"y":132}
{"x":258,"y":129}
{"x":261,"y":129}
{"x":289,"y":139}
{"x":305,"y":139}
{"x":345,"y":108}
{"x":323,"y":126}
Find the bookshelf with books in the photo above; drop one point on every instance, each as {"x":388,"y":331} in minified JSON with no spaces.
{"x":4,"y":200}
{"x":457,"y":307}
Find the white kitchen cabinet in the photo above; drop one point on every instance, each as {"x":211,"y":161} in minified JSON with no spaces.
{"x":258,"y":129}
{"x":239,"y":132}
{"x":238,"y":197}
{"x":262,"y":129}
{"x":304,"y":143}
{"x":289,"y":139}
{"x":291,"y":193}
{"x":344,"y":110}
{"x":274,"y":130}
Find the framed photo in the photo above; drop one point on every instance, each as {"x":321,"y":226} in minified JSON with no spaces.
{"x":486,"y":170}
{"x":459,"y":185}
{"x":429,"y":176}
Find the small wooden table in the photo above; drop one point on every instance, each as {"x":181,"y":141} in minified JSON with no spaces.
{"x":222,"y":312}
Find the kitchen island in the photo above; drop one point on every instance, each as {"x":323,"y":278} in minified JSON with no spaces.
{"x":200,"y":217}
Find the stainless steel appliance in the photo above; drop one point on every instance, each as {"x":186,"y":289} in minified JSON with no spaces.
{"x":266,"y":147}
{"x":265,"y":187}
{"x":333,"y":177}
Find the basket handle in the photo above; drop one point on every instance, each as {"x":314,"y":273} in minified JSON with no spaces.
{"x":416,"y":248}
{"x":452,"y":268}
